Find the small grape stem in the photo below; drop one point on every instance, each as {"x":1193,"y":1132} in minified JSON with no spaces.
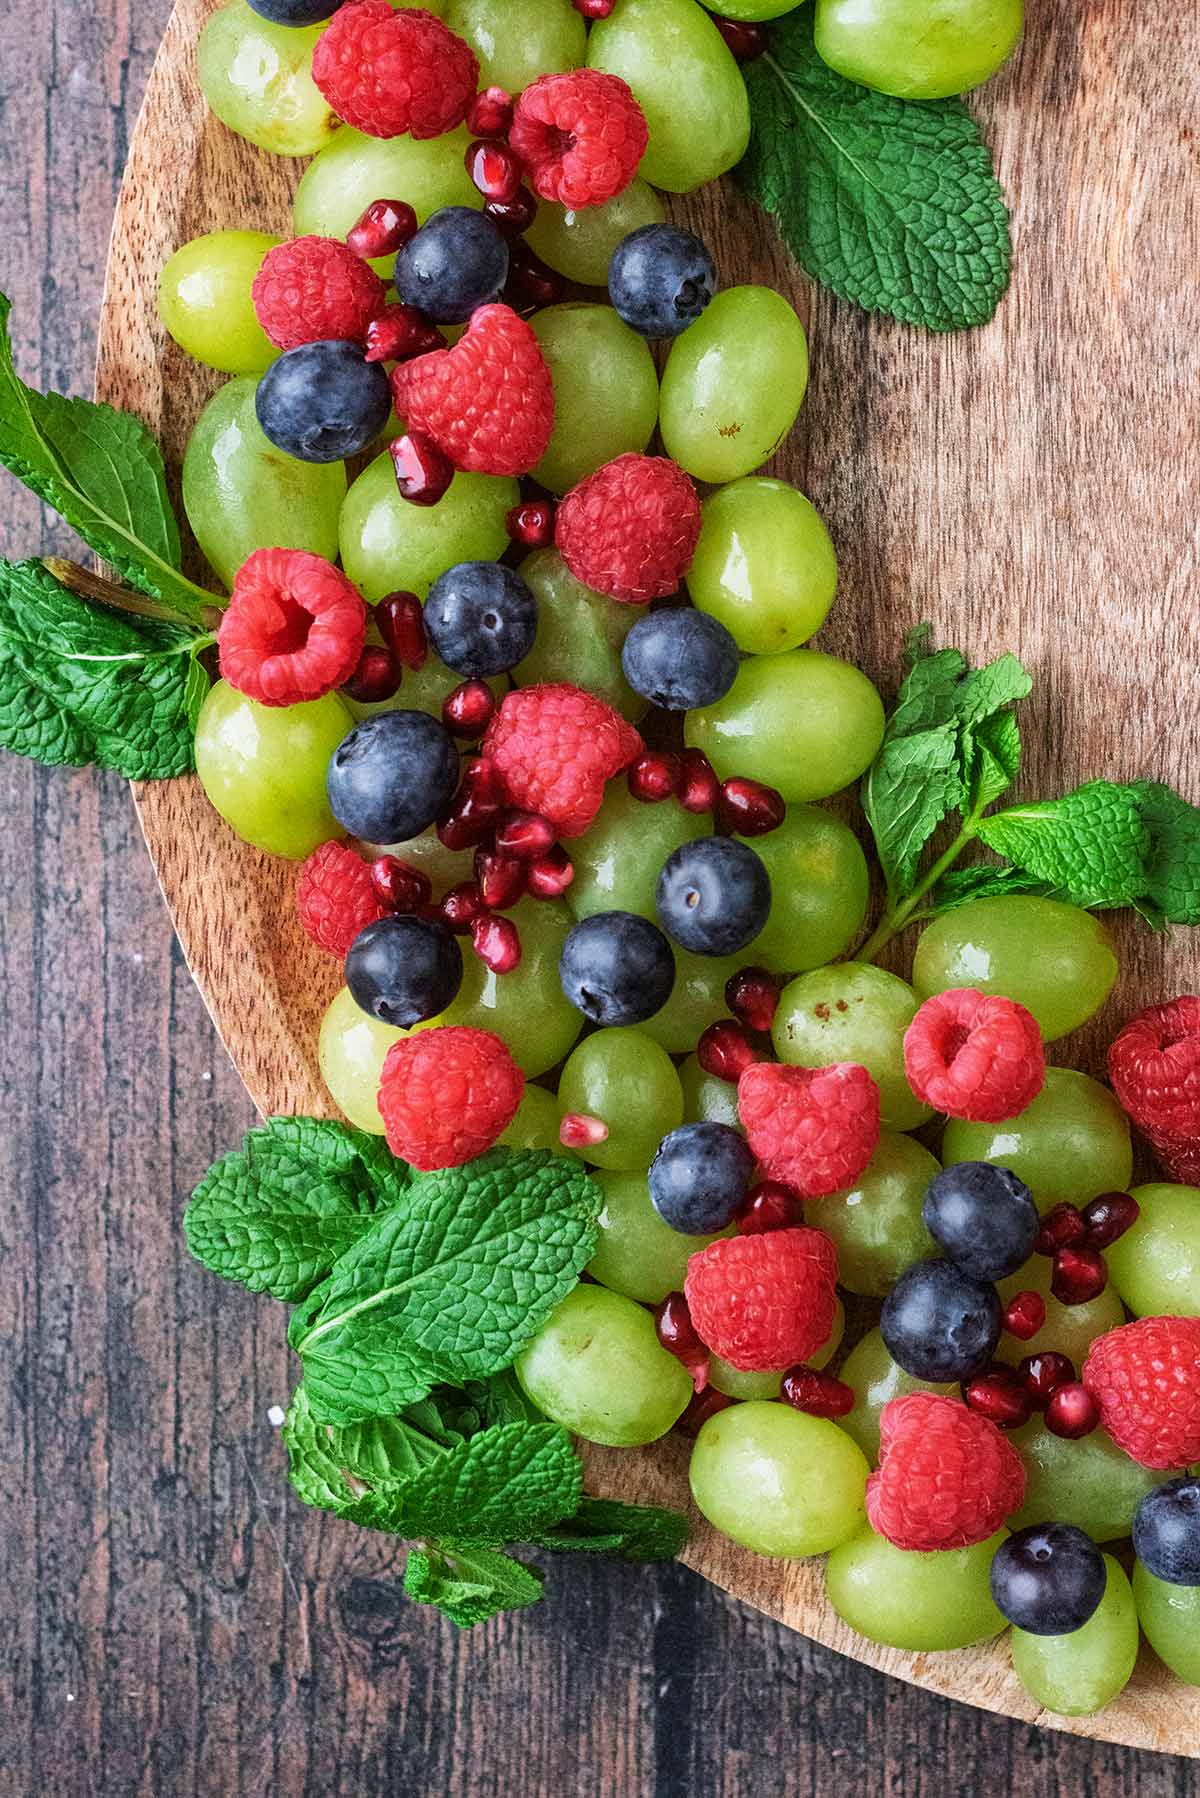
{"x":96,"y":587}
{"x":902,"y":913}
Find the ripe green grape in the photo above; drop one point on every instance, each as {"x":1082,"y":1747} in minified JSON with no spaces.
{"x":622,"y":1077}
{"x":619,"y":859}
{"x":1052,"y":958}
{"x":687,"y":84}
{"x":1090,"y":1483}
{"x":445,"y":867}
{"x":707,"y":1100}
{"x":756,"y":9}
{"x":579,"y":638}
{"x":528,"y":1007}
{"x":733,"y":384}
{"x":597,"y":1367}
{"x":354,"y":169}
{"x":423,"y":690}
{"x":352,"y":1049}
{"x":853,"y":1012}
{"x":765,"y":565}
{"x":875,"y":1380}
{"x":697,"y":999}
{"x":638,"y":1254}
{"x":257,"y":78}
{"x":1156,"y":1266}
{"x":1070,"y":1144}
{"x":389,"y":545}
{"x":737,"y":1384}
{"x":518,"y":40}
{"x":803,"y":722}
{"x":263,"y":767}
{"x":922,"y":1602}
{"x":922,"y":51}
{"x":204,"y":301}
{"x":580,"y":244}
{"x":777,"y":1480}
{"x":536,"y":1124}
{"x":240,"y":493}
{"x":1069,"y":1329}
{"x":605,"y":390}
{"x":820,"y":890}
{"x":1170,"y":1616}
{"x":1078,"y":1674}
{"x":876,"y":1225}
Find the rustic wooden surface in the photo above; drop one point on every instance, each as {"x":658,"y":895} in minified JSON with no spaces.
{"x":173,"y":1621}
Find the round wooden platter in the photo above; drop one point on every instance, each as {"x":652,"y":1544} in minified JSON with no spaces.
{"x":1029,"y":486}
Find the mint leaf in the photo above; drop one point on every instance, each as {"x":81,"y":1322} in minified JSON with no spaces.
{"x":504,"y":1485}
{"x":983,"y":692}
{"x":986,"y":881}
{"x":991,"y":753}
{"x":929,"y":691}
{"x":1173,"y":856}
{"x":330,"y":1467}
{"x":631,"y":1532}
{"x":470,"y":1584}
{"x":891,"y":203}
{"x":1091,"y":844}
{"x":912,"y":785}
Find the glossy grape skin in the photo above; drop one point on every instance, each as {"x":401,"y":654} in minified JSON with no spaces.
{"x":876,"y":1225}
{"x":1078,"y":1674}
{"x":257,"y":79}
{"x":925,"y":51}
{"x":528,"y":1007}
{"x":605,"y":390}
{"x":389,"y":545}
{"x":580,"y":244}
{"x":263,"y":768}
{"x":597,"y":1367}
{"x":355,"y":169}
{"x":240,"y":493}
{"x":620,"y":857}
{"x":619,"y":1075}
{"x":1090,"y":1482}
{"x":638,"y":1254}
{"x":755,"y":10}
{"x":536,"y":1124}
{"x":1155,"y":1266}
{"x":852,"y":1012}
{"x":765,"y":565}
{"x":922,"y":1602}
{"x":518,"y":40}
{"x":580,"y":634}
{"x":697,"y":999}
{"x":687,"y":84}
{"x":733,"y":384}
{"x":1069,"y":1329}
{"x":1069,"y":1145}
{"x":820,"y":891}
{"x":1054,"y":959}
{"x":875,"y":1379}
{"x":803,"y":722}
{"x":352,"y":1049}
{"x":423,"y":690}
{"x":1170,"y":1617}
{"x":204,"y":301}
{"x":707,"y":1100}
{"x":778,"y":1481}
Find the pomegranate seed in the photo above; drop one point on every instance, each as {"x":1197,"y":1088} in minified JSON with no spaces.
{"x":677,"y":1333}
{"x":377,"y":676}
{"x":491,"y":113}
{"x":527,"y":835}
{"x":497,"y":943}
{"x":745,"y":39}
{"x":385,"y":227}
{"x":749,"y":808}
{"x":1042,"y":1375}
{"x":423,"y":471}
{"x":400,"y":333}
{"x":495,"y":169}
{"x":1024,"y":1315}
{"x":399,"y":885}
{"x":725,"y":1051}
{"x":595,"y":9}
{"x":752,"y":995}
{"x":551,"y":874}
{"x":654,"y":776}
{"x":474,"y":808}
{"x":532,"y":525}
{"x":1061,"y":1228}
{"x":699,"y":788}
{"x":1001,"y":1395}
{"x":513,"y":217}
{"x":401,"y":621}
{"x":462,"y":907}
{"x":501,"y":879}
{"x":771,"y":1206}
{"x":1109,"y":1216}
{"x":579,"y":1131}
{"x":468,"y":711}
{"x":1079,"y":1275}
{"x":700,"y":1407}
{"x":531,"y":285}
{"x":1072,"y":1411}
{"x":806,"y":1389}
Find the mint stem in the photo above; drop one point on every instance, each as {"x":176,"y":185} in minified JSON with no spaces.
{"x":900,"y":914}
{"x":104,"y":592}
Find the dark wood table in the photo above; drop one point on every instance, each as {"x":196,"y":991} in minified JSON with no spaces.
{"x":172,"y":1620}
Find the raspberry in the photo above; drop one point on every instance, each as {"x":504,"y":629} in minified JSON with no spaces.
{"x":1145,"y":1376}
{"x":489,"y":401}
{"x":975,"y":1056}
{"x":581,"y":136}
{"x":630,"y":530}
{"x":447,"y":1094}
{"x":946,"y":1476}
{"x":1154,"y":1066}
{"x":313,"y":289}
{"x":388,"y":72}
{"x":336,"y":897}
{"x":554,"y":748}
{"x":293,"y":630}
{"x":812,"y":1128}
{"x":764,"y":1301}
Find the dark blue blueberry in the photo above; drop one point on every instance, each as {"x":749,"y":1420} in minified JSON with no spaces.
{"x":680,"y":658}
{"x":1048,"y":1580}
{"x":392,"y":776}
{"x":295,"y":12}
{"x":939,"y":1324}
{"x":481,"y":618}
{"x":322,"y":402}
{"x":457,"y":261}
{"x":713,"y":896}
{"x":660,"y":280}
{"x":1166,"y":1531}
{"x":402,"y":970}
{"x":982,"y":1218}
{"x":700,"y":1176}
{"x":617,"y":968}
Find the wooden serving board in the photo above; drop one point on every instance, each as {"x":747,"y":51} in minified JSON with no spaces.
{"x":1030,"y":486}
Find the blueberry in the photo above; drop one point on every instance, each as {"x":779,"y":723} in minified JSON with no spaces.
{"x":660,"y":280}
{"x":982,"y":1218}
{"x":481,"y":618}
{"x":1048,"y":1580}
{"x":392,"y":776}
{"x":456,"y":262}
{"x":940,"y":1324}
{"x":680,"y":658}
{"x":322,"y":402}
{"x":713,"y":896}
{"x":295,"y":12}
{"x":617,"y":968}
{"x":403,"y":970}
{"x":700,"y":1176}
{"x":1166,"y":1531}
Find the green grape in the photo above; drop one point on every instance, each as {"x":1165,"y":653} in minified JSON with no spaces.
{"x":918,"y":49}
{"x":263,"y":767}
{"x":528,"y":1007}
{"x":803,"y":722}
{"x":622,"y":1077}
{"x":518,"y":40}
{"x":240,"y":493}
{"x":597,"y":1367}
{"x":638,"y":1254}
{"x":204,"y":301}
{"x":605,"y":390}
{"x":580,"y":244}
{"x":1170,"y":1616}
{"x":1090,"y":1482}
{"x":765,"y":565}
{"x":1069,"y":1145}
{"x":1078,"y":1674}
{"x":257,"y":78}
{"x":352,"y":1049}
{"x":777,"y":1480}
{"x":1069,"y":1329}
{"x":579,"y":639}
{"x":923,"y":1602}
{"x":820,"y":890}
{"x":852,"y":1012}
{"x":390,"y":546}
{"x":1156,"y":1266}
{"x":353,"y":170}
{"x":423,"y":690}
{"x":687,"y":84}
{"x":876,"y":1225}
{"x":536,"y":1124}
{"x":707,"y":1100}
{"x":733,"y":385}
{"x":875,"y":1380}
{"x":697,"y":999}
{"x":620,"y":857}
{"x":754,"y":10}
{"x":1052,"y":958}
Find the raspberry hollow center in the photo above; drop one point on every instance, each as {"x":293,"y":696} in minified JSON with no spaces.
{"x":289,"y":634}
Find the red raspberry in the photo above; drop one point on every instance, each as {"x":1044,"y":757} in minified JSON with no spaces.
{"x":1145,"y":1376}
{"x":1154,"y":1066}
{"x":630,"y":530}
{"x":764,"y":1301}
{"x":946,"y":1477}
{"x":336,"y":897}
{"x":554,"y":748}
{"x":293,"y":630}
{"x":975,"y":1056}
{"x":489,"y":401}
{"x":388,"y":72}
{"x":315,"y":288}
{"x":447,"y":1094}
{"x":581,"y":136}
{"x":813,"y":1128}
